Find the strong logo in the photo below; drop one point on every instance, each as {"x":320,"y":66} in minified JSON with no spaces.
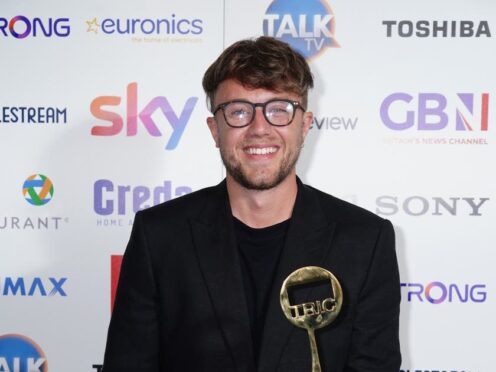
{"x":308,"y":26}
{"x":37,"y":189}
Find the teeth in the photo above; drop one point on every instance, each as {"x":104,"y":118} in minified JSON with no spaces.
{"x":261,"y":151}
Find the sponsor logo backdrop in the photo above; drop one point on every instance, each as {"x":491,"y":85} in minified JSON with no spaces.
{"x":102,"y":114}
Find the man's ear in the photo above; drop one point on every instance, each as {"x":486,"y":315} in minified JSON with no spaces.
{"x":212,"y":125}
{"x":307,"y":122}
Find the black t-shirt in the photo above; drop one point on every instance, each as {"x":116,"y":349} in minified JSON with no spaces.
{"x":259,"y":252}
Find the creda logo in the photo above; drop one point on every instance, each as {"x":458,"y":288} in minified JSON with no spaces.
{"x":430,"y":112}
{"x":37,"y":189}
{"x":110,"y":198}
{"x":133,"y":117}
{"x":308,"y":26}
{"x":19,"y":353}
{"x":20,"y":27}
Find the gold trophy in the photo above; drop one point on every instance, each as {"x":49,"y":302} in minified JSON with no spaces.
{"x":316,"y":314}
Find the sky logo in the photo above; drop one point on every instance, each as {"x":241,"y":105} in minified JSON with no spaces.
{"x":19,"y":353}
{"x":437,"y":292}
{"x":133,"y":117}
{"x":20,"y":27}
{"x":308,"y":26}
{"x":37,"y":189}
{"x":428,"y":112}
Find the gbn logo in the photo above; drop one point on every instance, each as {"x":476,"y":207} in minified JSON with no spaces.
{"x":430,"y":113}
{"x":178,"y":123}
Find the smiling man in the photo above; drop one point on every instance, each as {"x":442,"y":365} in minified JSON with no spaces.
{"x":200,"y":280}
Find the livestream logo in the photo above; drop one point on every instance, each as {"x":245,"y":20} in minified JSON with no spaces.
{"x":133,"y":118}
{"x":308,"y":26}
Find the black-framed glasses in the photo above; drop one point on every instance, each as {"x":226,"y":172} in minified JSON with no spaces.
{"x":277,"y":112}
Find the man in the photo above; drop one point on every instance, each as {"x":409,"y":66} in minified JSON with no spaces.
{"x":200,"y":279}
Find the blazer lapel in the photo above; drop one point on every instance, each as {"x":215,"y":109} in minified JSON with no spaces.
{"x":215,"y":245}
{"x":307,"y":244}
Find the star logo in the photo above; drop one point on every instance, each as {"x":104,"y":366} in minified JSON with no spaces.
{"x":93,"y":26}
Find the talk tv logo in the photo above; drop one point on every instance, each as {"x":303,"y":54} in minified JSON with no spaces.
{"x":431,"y":112}
{"x":308,"y":26}
{"x":37,"y":189}
{"x":129,"y":124}
{"x":21,"y":27}
{"x":19,"y":353}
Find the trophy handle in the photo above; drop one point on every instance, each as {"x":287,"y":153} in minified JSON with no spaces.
{"x":313,"y":349}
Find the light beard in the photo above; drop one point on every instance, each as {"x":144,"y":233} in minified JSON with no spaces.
{"x":234,"y":169}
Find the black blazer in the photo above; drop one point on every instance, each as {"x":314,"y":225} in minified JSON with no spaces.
{"x":180,"y":302}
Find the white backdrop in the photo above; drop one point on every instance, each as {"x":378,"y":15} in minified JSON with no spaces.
{"x":404,"y":126}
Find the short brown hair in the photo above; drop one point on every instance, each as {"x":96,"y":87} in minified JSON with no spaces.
{"x":264,"y":62}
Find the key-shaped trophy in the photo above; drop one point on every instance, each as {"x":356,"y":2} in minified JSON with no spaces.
{"x":316,"y":314}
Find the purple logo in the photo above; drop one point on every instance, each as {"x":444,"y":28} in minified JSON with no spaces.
{"x":118,"y":199}
{"x":21,"y":27}
{"x":438,"y":292}
{"x":429,"y":112}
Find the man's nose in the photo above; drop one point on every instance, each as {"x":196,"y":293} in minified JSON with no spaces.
{"x":259,"y":125}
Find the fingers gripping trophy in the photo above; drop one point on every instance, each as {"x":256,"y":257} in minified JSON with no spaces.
{"x":316,"y":314}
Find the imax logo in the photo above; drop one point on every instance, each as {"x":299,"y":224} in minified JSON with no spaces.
{"x":38,"y":286}
{"x":388,"y":205}
{"x":308,"y":28}
{"x":178,"y":123}
{"x":428,"y":111}
{"x":437,"y":292}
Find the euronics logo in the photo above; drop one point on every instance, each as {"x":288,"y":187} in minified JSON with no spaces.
{"x":38,"y":189}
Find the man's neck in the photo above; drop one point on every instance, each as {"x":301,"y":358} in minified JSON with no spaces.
{"x":265,"y":207}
